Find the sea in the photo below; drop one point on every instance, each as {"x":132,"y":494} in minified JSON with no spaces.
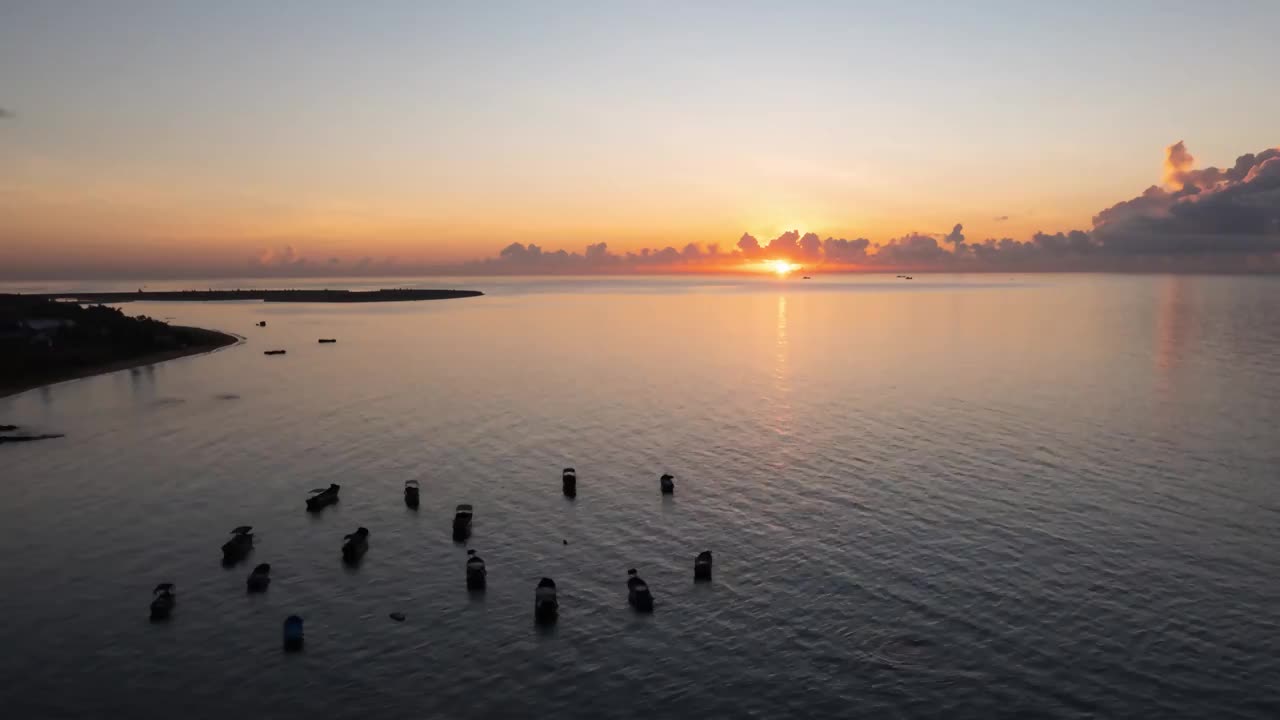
{"x":966,"y":496}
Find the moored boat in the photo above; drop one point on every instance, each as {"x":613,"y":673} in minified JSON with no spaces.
{"x":569,"y":482}
{"x":323,"y":497}
{"x":702,"y":566}
{"x":355,"y":545}
{"x":241,"y":542}
{"x":477,"y":576}
{"x":638,"y":594}
{"x":411,"y":493}
{"x":546,"y":608}
{"x":667,"y":483}
{"x":293,"y":633}
{"x":462,"y":522}
{"x":259,"y":579}
{"x":163,"y":599}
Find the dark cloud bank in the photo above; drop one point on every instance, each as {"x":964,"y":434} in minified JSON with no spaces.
{"x":1212,"y":220}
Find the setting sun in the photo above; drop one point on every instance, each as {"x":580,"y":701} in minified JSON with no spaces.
{"x":782,"y":267}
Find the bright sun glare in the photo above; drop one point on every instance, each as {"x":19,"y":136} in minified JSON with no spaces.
{"x":782,"y":267}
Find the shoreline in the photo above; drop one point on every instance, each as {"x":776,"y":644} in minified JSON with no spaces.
{"x":214,"y":340}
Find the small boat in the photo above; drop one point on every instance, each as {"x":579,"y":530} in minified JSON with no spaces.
{"x":569,"y":482}
{"x":355,"y":545}
{"x":668,"y":483}
{"x":545,"y":606}
{"x":293,"y":633}
{"x":462,"y":522}
{"x":475,"y":571}
{"x":411,"y":493}
{"x":241,"y":542}
{"x":702,"y":566}
{"x":328,"y":340}
{"x":162,"y":601}
{"x":907,"y":277}
{"x":323,"y":497}
{"x":273,"y":352}
{"x":259,"y":579}
{"x":806,"y":277}
{"x":262,"y":323}
{"x":638,"y":594}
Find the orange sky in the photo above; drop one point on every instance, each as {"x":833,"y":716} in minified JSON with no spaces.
{"x":152,"y":213}
{"x":189,"y":138}
{"x":383,"y":206}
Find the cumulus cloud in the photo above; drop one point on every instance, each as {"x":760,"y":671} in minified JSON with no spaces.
{"x":807,"y":250}
{"x":845,"y":252}
{"x":955,"y":238}
{"x":1200,"y":219}
{"x":1212,"y":211}
{"x":912,"y":250}
{"x":284,"y":257}
{"x":518,"y":258}
{"x":810,"y":247}
{"x":1177,"y":163}
{"x":1210,"y":219}
{"x":786,"y":246}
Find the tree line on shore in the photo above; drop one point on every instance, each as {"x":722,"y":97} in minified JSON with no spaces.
{"x":41,"y":338}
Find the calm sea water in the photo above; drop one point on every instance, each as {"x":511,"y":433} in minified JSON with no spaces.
{"x":954,"y":497}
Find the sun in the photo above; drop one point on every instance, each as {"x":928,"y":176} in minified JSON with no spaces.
{"x":782,"y":267}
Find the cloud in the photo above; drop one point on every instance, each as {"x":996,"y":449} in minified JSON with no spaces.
{"x":284,"y":257}
{"x":1212,"y":211}
{"x":808,"y":250}
{"x":1177,"y":163}
{"x":1208,"y":219}
{"x":810,"y":247}
{"x":518,"y":258}
{"x":912,"y":250}
{"x":845,"y":252}
{"x":786,"y":246}
{"x":956,"y":237}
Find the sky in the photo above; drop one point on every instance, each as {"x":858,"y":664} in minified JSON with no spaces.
{"x":175,"y":138}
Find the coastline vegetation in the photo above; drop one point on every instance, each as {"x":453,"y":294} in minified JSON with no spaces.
{"x":44,"y":341}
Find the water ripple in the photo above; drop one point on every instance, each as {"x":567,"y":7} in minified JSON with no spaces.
{"x":915,"y":513}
